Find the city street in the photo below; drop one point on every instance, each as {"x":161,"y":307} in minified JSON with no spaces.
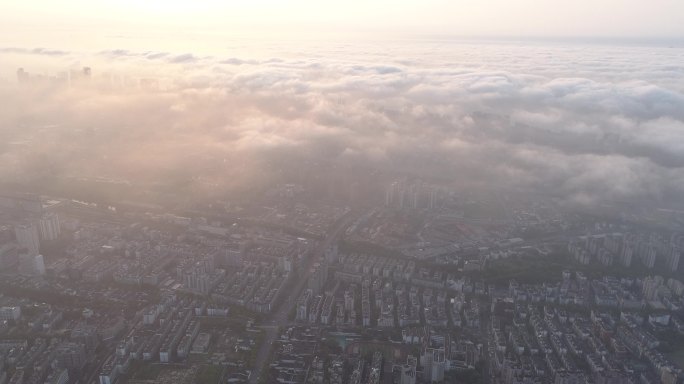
{"x":280,"y":316}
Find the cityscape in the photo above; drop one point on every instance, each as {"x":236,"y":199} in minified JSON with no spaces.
{"x":416,"y":289}
{"x":342,"y":192}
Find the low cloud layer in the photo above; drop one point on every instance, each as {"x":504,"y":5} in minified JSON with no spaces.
{"x":588,"y":124}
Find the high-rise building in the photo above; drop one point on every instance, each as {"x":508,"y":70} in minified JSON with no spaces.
{"x":650,"y":287}
{"x":390,"y":194}
{"x":614,"y":242}
{"x":332,"y":254}
{"x":197,"y":280}
{"x":432,"y":198}
{"x":30,"y":264}
{"x":22,"y":202}
{"x":349,"y":300}
{"x":408,"y":371}
{"x":433,"y":361}
{"x":87,"y":335}
{"x":48,"y":226}
{"x":10,"y":313}
{"x":318,"y":277}
{"x":416,"y":195}
{"x":8,"y":256}
{"x":627,"y":253}
{"x":71,"y":355}
{"x":673,"y":257}
{"x":27,"y":237}
{"x":604,"y":256}
{"x":58,"y":376}
{"x":303,"y":305}
{"x":648,"y":257}
{"x":22,"y":76}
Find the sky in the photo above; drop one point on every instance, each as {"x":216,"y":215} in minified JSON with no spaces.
{"x":38,"y":20}
{"x":484,"y":94}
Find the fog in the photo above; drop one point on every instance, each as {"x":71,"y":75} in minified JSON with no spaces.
{"x":586,"y":123}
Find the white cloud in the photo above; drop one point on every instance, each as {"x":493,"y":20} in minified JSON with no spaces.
{"x":588,"y":124}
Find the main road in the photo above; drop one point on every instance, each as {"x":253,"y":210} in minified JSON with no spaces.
{"x":280,"y":315}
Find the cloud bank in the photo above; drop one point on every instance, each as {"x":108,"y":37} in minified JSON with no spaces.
{"x":588,"y":124}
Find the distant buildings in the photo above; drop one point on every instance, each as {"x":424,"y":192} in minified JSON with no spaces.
{"x":408,"y":371}
{"x":10,"y":313}
{"x":83,"y":76}
{"x":610,"y":248}
{"x":197,"y":280}
{"x":650,"y":287}
{"x":318,"y":277}
{"x":199,"y":276}
{"x":22,"y":75}
{"x":433,"y":362}
{"x":27,"y":237}
{"x":30,"y":264}
{"x":48,"y":226}
{"x":648,"y":256}
{"x":26,"y":203}
{"x":627,"y":254}
{"x":59,"y":376}
{"x":303,"y":305}
{"x":8,"y":256}
{"x":403,"y":195}
{"x":71,"y":356}
{"x":672,"y":258}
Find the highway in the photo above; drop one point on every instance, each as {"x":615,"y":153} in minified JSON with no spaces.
{"x":279,"y":317}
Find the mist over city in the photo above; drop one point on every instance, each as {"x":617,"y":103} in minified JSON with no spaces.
{"x":477,"y":114}
{"x":323,"y":192}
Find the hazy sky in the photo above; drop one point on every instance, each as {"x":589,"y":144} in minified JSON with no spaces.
{"x":33,"y":21}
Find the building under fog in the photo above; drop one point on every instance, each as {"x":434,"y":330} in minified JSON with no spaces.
{"x":48,"y":226}
{"x":27,"y":237}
